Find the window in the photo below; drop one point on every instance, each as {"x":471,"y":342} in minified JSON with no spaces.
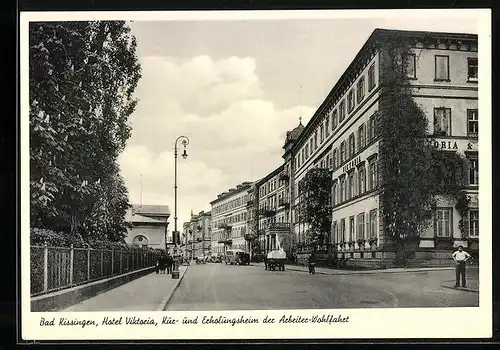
{"x":442,"y":68}
{"x":373,"y":223}
{"x":371,"y":77}
{"x":327,"y":127}
{"x":334,"y":193}
{"x":350,"y":101}
{"x":307,"y":151}
{"x":360,"y":91}
{"x":361,"y":136}
{"x":322,"y":165}
{"x":352,"y":231}
{"x":372,"y":174}
{"x":328,"y":161}
{"x":474,"y":223}
{"x":472,"y":122}
{"x":321,"y":133}
{"x":409,"y":67}
{"x":371,"y":129}
{"x":352,"y":145}
{"x":315,"y":140}
{"x":342,"y":152}
{"x":342,"y":230}
{"x":338,"y":157}
{"x":443,"y":223}
{"x":442,"y":121}
{"x":335,"y":119}
{"x":342,"y":111}
{"x":361,"y":226}
{"x":335,"y":232}
{"x":351,"y":182}
{"x":334,"y":158}
{"x":474,"y":171}
{"x":361,"y":180}
{"x":472,"y":69}
{"x":342,"y":190}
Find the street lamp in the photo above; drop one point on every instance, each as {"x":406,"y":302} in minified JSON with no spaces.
{"x":184,"y":141}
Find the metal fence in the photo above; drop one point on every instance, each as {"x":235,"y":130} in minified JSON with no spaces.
{"x":55,"y":268}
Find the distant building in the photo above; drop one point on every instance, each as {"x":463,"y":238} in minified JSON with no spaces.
{"x":197,"y":235}
{"x":149,"y":225}
{"x":229,"y":219}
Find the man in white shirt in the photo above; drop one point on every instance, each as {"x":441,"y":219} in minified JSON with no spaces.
{"x":460,"y":256}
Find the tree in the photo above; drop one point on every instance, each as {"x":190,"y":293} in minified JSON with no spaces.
{"x":315,"y":204}
{"x":412,"y":172}
{"x":82,"y":79}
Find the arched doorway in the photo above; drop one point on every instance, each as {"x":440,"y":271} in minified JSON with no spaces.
{"x":140,"y":241}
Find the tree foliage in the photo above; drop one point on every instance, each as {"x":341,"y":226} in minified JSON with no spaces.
{"x":315,"y":204}
{"x":412,"y":171}
{"x":82,"y":79}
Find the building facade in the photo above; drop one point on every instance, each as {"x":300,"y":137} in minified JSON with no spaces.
{"x":342,"y":136}
{"x":149,"y":225}
{"x":229,"y":219}
{"x":197,"y":235}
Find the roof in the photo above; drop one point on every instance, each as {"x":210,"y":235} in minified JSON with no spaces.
{"x":156,"y":210}
{"x":271,"y":174}
{"x":137,"y":218}
{"x":243,"y":186}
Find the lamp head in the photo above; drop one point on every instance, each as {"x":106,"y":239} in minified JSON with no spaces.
{"x":184,"y":154}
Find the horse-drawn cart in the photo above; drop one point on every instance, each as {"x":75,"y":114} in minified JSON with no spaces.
{"x":275,"y":259}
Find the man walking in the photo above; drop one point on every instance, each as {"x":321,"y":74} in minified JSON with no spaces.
{"x":170,"y":262}
{"x":460,"y":256}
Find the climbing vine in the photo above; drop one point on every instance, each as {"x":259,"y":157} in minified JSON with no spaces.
{"x":413,"y":172}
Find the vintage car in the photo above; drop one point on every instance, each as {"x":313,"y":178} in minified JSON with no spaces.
{"x":237,"y":257}
{"x":275,"y":259}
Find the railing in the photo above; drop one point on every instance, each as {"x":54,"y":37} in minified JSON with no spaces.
{"x":279,"y":225}
{"x":284,"y":176}
{"x":56,"y":268}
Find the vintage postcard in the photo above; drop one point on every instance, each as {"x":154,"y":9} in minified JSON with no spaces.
{"x":256,"y":175}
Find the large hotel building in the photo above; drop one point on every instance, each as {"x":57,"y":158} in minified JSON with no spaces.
{"x":343,"y":137}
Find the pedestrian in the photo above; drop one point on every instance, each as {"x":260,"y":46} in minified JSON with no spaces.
{"x":162,"y":264}
{"x":170,"y":262}
{"x":312,"y":264}
{"x":460,"y":256}
{"x":157,"y":266}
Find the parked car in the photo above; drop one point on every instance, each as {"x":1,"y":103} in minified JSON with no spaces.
{"x":237,"y":257}
{"x":215,"y":259}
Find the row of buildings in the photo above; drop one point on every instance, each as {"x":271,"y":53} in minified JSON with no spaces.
{"x":343,"y":136}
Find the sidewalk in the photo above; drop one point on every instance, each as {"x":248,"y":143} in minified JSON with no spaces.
{"x":472,"y":278}
{"x":148,"y":293}
{"x":328,"y":271}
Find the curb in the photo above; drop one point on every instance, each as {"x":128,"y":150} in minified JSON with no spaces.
{"x":368,"y":272}
{"x":165,"y":300}
{"x":468,"y":290}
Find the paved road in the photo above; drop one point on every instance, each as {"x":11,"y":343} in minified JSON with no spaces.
{"x":226,"y":287}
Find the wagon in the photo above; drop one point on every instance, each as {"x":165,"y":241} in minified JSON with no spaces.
{"x":275,"y":259}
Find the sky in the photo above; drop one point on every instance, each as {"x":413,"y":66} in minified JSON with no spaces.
{"x":235,"y":87}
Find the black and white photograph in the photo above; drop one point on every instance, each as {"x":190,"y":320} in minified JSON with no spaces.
{"x":260,"y":174}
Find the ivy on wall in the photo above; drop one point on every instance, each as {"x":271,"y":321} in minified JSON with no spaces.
{"x":412,"y":171}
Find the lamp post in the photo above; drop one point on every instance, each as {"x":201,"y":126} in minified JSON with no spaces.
{"x":184,"y":141}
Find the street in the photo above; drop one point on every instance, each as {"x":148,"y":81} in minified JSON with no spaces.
{"x":226,"y":287}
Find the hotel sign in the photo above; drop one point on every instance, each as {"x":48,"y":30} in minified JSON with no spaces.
{"x":453,"y":144}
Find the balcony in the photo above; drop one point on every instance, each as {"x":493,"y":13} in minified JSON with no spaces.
{"x":225,"y":226}
{"x":249,"y":202}
{"x":226,"y":241}
{"x":284,"y":203}
{"x":283,"y":176}
{"x":267,"y":212}
{"x":279,"y":226}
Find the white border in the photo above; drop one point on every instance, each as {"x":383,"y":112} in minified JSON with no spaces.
{"x":377,"y":323}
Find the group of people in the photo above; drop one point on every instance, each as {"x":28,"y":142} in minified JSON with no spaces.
{"x":164,"y":263}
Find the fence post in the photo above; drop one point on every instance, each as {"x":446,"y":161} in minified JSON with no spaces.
{"x":88,"y":262}
{"x":112,"y":261}
{"x":71,"y":264}
{"x":45,"y":267}
{"x":102,"y":263}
